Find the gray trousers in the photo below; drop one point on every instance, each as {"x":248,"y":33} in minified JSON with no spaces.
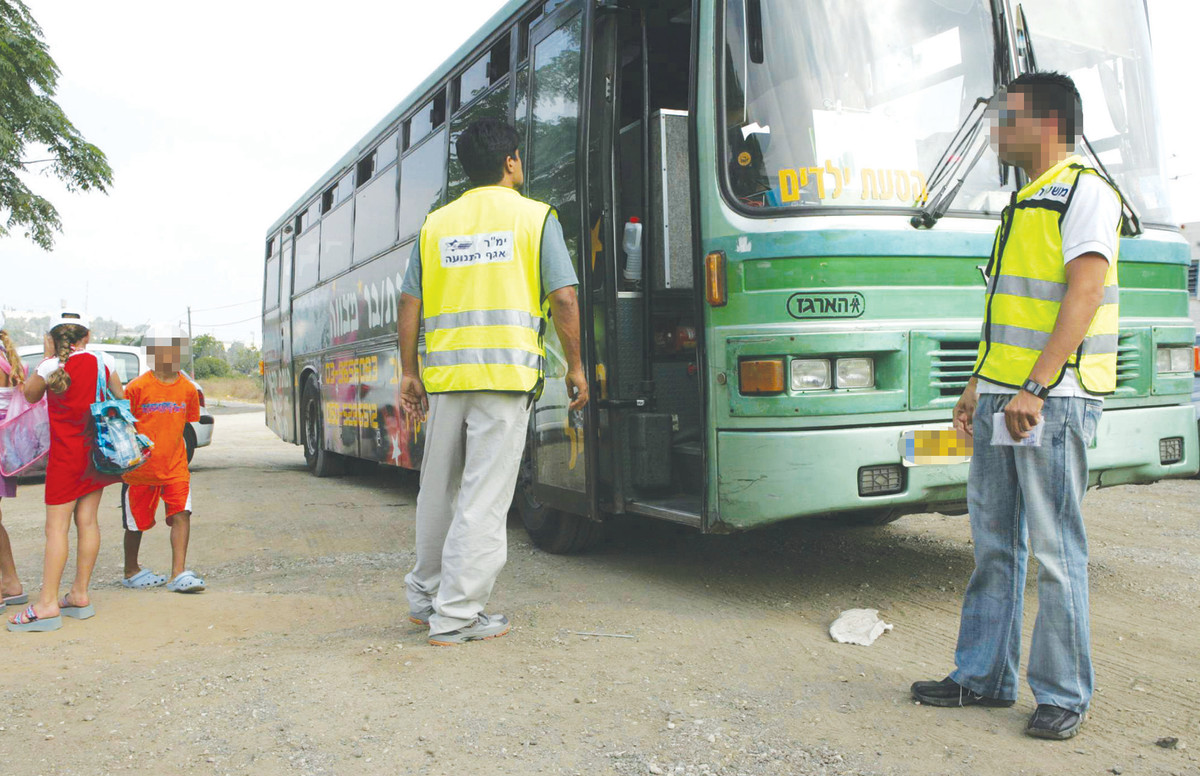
{"x":473,"y":447}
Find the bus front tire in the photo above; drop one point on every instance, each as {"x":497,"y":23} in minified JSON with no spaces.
{"x":321,"y":462}
{"x":550,"y":529}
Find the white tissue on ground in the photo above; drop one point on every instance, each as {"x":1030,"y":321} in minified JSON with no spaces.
{"x":858,"y":626}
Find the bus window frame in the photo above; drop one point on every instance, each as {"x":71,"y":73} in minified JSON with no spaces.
{"x":442,"y":90}
{"x":275,"y":253}
{"x":504,"y":83}
{"x":393,"y":133}
{"x":313,"y":223}
{"x":445,"y":126}
{"x":765,"y":213}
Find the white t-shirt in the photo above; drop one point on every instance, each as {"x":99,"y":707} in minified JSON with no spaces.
{"x":50,"y":365}
{"x":1088,"y":226}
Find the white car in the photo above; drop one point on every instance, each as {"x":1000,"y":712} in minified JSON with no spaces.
{"x":131,"y":362}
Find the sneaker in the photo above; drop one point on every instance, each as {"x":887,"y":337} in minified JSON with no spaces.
{"x":486,"y":626}
{"x":421,"y":616}
{"x":1053,"y":722}
{"x":949,"y":693}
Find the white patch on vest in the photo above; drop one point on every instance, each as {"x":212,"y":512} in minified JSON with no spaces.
{"x":472,"y":249}
{"x":1055,"y":192}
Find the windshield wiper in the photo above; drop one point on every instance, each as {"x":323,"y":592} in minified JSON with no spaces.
{"x":971,"y":139}
{"x":1131,"y":221}
{"x":955,"y":164}
{"x":1014,"y":55}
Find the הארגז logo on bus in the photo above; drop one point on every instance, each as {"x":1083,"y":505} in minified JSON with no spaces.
{"x":832,"y":304}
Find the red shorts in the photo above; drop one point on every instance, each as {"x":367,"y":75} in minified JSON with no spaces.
{"x":140,"y":502}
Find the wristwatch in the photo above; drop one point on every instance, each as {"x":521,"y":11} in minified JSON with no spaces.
{"x":1036,"y":388}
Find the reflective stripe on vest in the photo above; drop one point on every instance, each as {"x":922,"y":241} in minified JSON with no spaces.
{"x":1027,"y":284}
{"x":481,"y":293}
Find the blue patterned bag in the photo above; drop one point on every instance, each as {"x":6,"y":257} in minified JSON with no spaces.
{"x":119,"y":448}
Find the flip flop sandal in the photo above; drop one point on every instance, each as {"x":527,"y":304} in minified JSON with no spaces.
{"x":76,"y":612}
{"x":187,"y":582}
{"x":29,"y":622}
{"x":143,"y":579}
{"x":16,"y":600}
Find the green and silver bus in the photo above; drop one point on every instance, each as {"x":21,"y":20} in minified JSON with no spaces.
{"x":780,"y":213}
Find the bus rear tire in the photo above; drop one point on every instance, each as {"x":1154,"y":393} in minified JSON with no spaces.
{"x":321,"y":462}
{"x":550,"y":529}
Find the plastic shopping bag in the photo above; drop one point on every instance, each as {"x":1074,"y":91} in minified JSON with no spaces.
{"x":24,"y":434}
{"x":119,"y":448}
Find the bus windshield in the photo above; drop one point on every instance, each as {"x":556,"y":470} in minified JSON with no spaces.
{"x":848,"y":103}
{"x":1107,"y":53}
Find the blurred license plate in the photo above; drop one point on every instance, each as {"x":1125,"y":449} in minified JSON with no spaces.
{"x":925,"y":446}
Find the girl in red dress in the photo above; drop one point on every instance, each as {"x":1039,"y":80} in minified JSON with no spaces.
{"x":73,"y":486}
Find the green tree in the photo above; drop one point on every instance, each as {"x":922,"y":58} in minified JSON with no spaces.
{"x":30,"y":117}
{"x":206,"y":346}
{"x":243,"y":359}
{"x":210,"y":366}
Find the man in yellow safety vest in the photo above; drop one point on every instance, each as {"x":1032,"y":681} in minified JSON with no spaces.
{"x":487,"y":271}
{"x":1047,"y":356}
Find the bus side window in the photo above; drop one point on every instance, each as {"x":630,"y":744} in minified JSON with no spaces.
{"x":307,"y":235}
{"x":271,"y":286}
{"x":337,"y":230}
{"x":429,"y":117}
{"x":551,"y":163}
{"x":422,"y":181}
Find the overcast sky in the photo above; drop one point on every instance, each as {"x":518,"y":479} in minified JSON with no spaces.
{"x":216,"y":117}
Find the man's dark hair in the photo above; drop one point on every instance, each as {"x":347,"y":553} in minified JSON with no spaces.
{"x":1053,"y":93}
{"x":484,"y":147}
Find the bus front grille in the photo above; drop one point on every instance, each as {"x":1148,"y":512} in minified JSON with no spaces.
{"x":951,"y":365}
{"x":1128,"y":359}
{"x":952,"y":362}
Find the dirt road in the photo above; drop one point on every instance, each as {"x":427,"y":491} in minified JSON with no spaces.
{"x":298,"y":660}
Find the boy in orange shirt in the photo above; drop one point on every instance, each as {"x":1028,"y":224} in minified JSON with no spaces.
{"x":164,"y":401}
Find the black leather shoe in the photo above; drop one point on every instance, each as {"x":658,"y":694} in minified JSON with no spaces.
{"x":1053,"y":722}
{"x":949,"y":693}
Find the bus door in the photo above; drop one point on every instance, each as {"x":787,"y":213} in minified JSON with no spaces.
{"x":563,"y":464}
{"x":641,"y":289}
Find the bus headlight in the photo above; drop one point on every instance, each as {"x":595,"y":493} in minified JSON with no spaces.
{"x":856,"y":373}
{"x":810,"y":374}
{"x":1174,"y":360}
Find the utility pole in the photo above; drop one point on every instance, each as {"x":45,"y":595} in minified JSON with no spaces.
{"x":191,"y":350}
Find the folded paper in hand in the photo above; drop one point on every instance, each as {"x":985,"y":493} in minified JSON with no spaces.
{"x":1000,"y":435}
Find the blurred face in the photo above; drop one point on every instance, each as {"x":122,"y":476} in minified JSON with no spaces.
{"x":1020,"y":130}
{"x":165,"y":355}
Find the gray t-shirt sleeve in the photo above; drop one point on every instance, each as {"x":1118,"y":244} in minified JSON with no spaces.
{"x":557,"y":269}
{"x":411,"y":284}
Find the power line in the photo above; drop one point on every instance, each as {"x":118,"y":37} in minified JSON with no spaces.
{"x":231,"y":323}
{"x":226,"y":306}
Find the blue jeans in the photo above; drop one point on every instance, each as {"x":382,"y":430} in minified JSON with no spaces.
{"x":1020,"y":497}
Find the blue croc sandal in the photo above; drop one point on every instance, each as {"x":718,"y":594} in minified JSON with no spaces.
{"x":16,"y":600}
{"x":28,"y":622}
{"x":187,"y":582}
{"x":144,"y":578}
{"x":69,"y":609}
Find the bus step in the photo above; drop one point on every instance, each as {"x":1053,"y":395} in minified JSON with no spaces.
{"x":680,"y":508}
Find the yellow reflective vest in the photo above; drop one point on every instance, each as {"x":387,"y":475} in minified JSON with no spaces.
{"x":481,"y":293}
{"x":1027,"y":282}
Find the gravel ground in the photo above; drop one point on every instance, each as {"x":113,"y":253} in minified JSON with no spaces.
{"x":299,"y":658}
